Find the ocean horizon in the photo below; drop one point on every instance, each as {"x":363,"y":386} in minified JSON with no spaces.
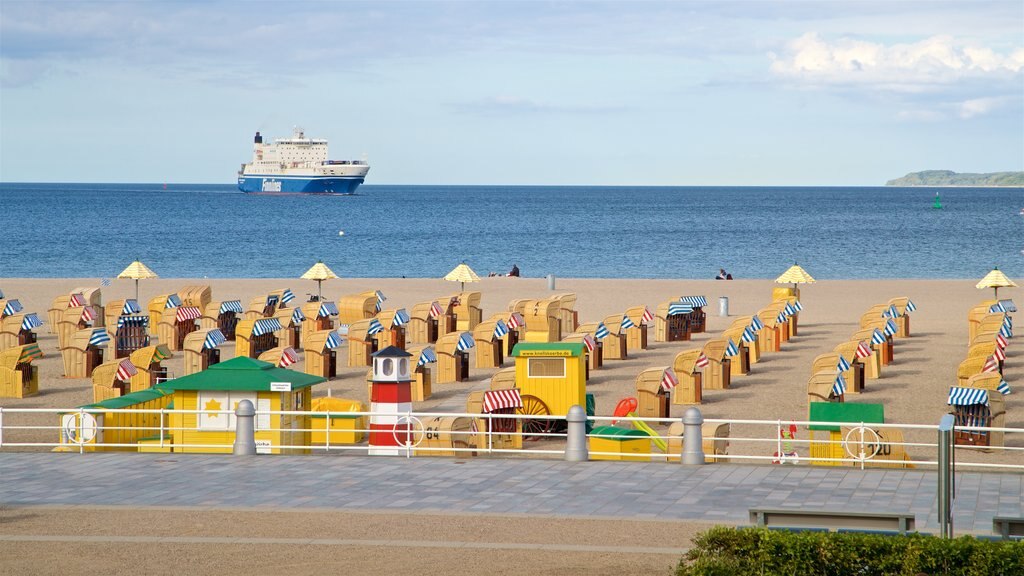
{"x":213,"y":230}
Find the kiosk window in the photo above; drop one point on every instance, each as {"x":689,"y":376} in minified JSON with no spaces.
{"x":546,"y":368}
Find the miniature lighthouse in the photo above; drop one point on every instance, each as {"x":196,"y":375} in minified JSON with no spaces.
{"x":390,"y":395}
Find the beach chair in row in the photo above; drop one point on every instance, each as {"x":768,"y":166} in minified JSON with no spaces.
{"x":19,"y":378}
{"x":19,"y":329}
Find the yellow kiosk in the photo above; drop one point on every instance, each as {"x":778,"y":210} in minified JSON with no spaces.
{"x":551,"y":378}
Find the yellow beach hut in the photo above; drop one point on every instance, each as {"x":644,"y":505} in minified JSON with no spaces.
{"x":157,"y":306}
{"x":453,"y":357}
{"x":84,"y":352}
{"x":551,"y":378}
{"x":149,"y":367}
{"x":176,"y":323}
{"x":18,"y":377}
{"x":423,"y":322}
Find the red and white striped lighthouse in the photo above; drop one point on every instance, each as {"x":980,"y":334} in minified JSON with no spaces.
{"x":390,"y":395}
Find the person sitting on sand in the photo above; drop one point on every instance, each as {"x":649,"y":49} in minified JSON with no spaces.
{"x":514,"y":272}
{"x":721,"y":274}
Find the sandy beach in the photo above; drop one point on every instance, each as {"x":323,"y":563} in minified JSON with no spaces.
{"x":913,"y":388}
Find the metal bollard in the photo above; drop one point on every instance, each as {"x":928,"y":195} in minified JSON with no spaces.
{"x":576,"y":435}
{"x":945,"y":480}
{"x":723,"y":306}
{"x":245,"y":429}
{"x":551,"y":281}
{"x":693,"y":443}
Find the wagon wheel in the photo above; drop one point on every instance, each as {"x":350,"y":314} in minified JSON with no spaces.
{"x":533,"y":406}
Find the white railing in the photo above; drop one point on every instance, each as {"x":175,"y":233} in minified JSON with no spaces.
{"x":759,"y":441}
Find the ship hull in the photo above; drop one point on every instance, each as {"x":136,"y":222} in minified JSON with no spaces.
{"x":281,"y":184}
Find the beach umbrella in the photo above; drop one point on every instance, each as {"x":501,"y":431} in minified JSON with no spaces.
{"x":795,"y":275}
{"x":995,"y":280}
{"x":318,"y":272}
{"x":137,"y":271}
{"x":462,"y":274}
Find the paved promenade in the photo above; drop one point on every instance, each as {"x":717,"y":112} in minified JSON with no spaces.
{"x":660,"y":492}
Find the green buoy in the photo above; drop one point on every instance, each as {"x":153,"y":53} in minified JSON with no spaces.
{"x":938,"y":203}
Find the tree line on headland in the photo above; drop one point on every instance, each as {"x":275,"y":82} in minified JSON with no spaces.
{"x":950,"y":178}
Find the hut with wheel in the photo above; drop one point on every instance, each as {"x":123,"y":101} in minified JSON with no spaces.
{"x":423,"y":323}
{"x":362,"y":341}
{"x":453,"y":357}
{"x":499,"y":429}
{"x":394,"y":321}
{"x":176,"y":323}
{"x":551,"y":378}
{"x":18,"y":329}
{"x":321,"y":353}
{"x":319,"y":316}
{"x":687,"y":366}
{"x":292,"y":320}
{"x":672,"y":322}
{"x":421,"y":381}
{"x":489,"y":337}
{"x":254,"y":337}
{"x":467,"y":310}
{"x":73,"y":320}
{"x":112,"y":379}
{"x":698,"y":318}
{"x":542,"y":319}
{"x":267,"y":306}
{"x":636,"y":333}
{"x":718,"y":372}
{"x":979,"y":403}
{"x":224,"y":316}
{"x":280,"y":356}
{"x":592,"y":347}
{"x":198,"y":296}
{"x":18,"y":377}
{"x":852,"y":372}
{"x":356,"y":307}
{"x":653,"y":390}
{"x":202,"y":349}
{"x":613,"y":344}
{"x":157,"y":306}
{"x":84,"y":352}
{"x":148,"y":363}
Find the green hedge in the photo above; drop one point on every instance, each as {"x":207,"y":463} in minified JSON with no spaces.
{"x":752,"y":551}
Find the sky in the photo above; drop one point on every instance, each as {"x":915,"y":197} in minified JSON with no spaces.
{"x":639,"y":93}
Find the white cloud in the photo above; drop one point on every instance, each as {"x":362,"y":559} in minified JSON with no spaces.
{"x":927,"y":65}
{"x":980,"y":106}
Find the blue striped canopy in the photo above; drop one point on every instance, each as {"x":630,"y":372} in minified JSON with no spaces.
{"x":98,"y":337}
{"x":877,"y":337}
{"x":231,"y":306}
{"x":213,"y":339}
{"x":465,"y":342}
{"x":427,"y":356}
{"x":287,"y":296}
{"x":789,"y":310}
{"x":327,"y":309}
{"x":890,"y":328}
{"x":297,"y":316}
{"x":695,"y":301}
{"x":172,"y":301}
{"x":12,"y":307}
{"x":132,"y":321}
{"x":31,"y":322}
{"x":333,"y":341}
{"x":798,"y":305}
{"x":843,"y":365}
{"x":601,"y":332}
{"x":749,"y":335}
{"x":380,"y":299}
{"x":375,"y":327}
{"x":756,"y":323}
{"x":966,"y":396}
{"x":839,"y":386}
{"x":1003,"y":387}
{"x":626,"y":323}
{"x":266,"y":326}
{"x":679,"y":308}
{"x":910,"y":306}
{"x":1005,"y":331}
{"x":731,"y":349}
{"x":401,"y":318}
{"x":131,"y":306}
{"x":1008,"y":305}
{"x":1008,"y":321}
{"x":500,"y":329}
{"x":997,"y":307}
{"x":780,"y":318}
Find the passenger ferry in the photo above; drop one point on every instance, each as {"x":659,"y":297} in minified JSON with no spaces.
{"x":298,"y":165}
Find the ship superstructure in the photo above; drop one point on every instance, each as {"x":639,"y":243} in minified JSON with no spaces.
{"x":299,"y":165}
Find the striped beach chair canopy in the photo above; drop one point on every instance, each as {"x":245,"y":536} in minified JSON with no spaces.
{"x":839,"y":386}
{"x":98,"y":338}
{"x":230,"y":306}
{"x":187,"y":313}
{"x":401,"y":318}
{"x":589,"y":342}
{"x":11,"y":307}
{"x":173,"y":301}
{"x":375,"y":327}
{"x":500,"y":329}
{"x":1003,"y":306}
{"x":966,"y":396}
{"x":132,"y":321}
{"x":76,"y":300}
{"x":731,"y":349}
{"x":427,"y":356}
{"x":297,"y":316}
{"x":380,"y":299}
{"x":626,"y":323}
{"x":465,"y":342}
{"x":679,"y":308}
{"x":288,"y":357}
{"x":435,"y":309}
{"x":266,"y":326}
{"x":213,"y":339}
{"x":668,"y":380}
{"x":88,"y":315}
{"x":749,"y":336}
{"x":756,"y":324}
{"x":31,"y":321}
{"x":333,"y":341}
{"x":287,"y":296}
{"x":327,"y":309}
{"x":601,"y":332}
{"x":29,"y":352}
{"x":843,"y":365}
{"x":515,"y":320}
{"x":695,"y":301}
{"x":508,"y":399}
{"x":131,"y":306}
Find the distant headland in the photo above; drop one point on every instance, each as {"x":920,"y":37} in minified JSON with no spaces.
{"x":950,"y":178}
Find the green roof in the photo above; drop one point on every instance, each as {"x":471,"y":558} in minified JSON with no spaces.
{"x":574,"y":348}
{"x":132,"y":399}
{"x":617,"y":433}
{"x":243,"y":374}
{"x":846,"y":413}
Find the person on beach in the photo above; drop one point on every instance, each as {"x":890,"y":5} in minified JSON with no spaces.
{"x":721,"y":274}
{"x":514,"y":272}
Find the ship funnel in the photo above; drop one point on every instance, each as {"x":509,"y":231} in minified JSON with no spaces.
{"x":258,"y":139}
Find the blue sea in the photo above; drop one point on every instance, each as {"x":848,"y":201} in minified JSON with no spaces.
{"x":95,"y":230}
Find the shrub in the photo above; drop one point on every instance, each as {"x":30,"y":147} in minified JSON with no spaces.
{"x":756,"y":551}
